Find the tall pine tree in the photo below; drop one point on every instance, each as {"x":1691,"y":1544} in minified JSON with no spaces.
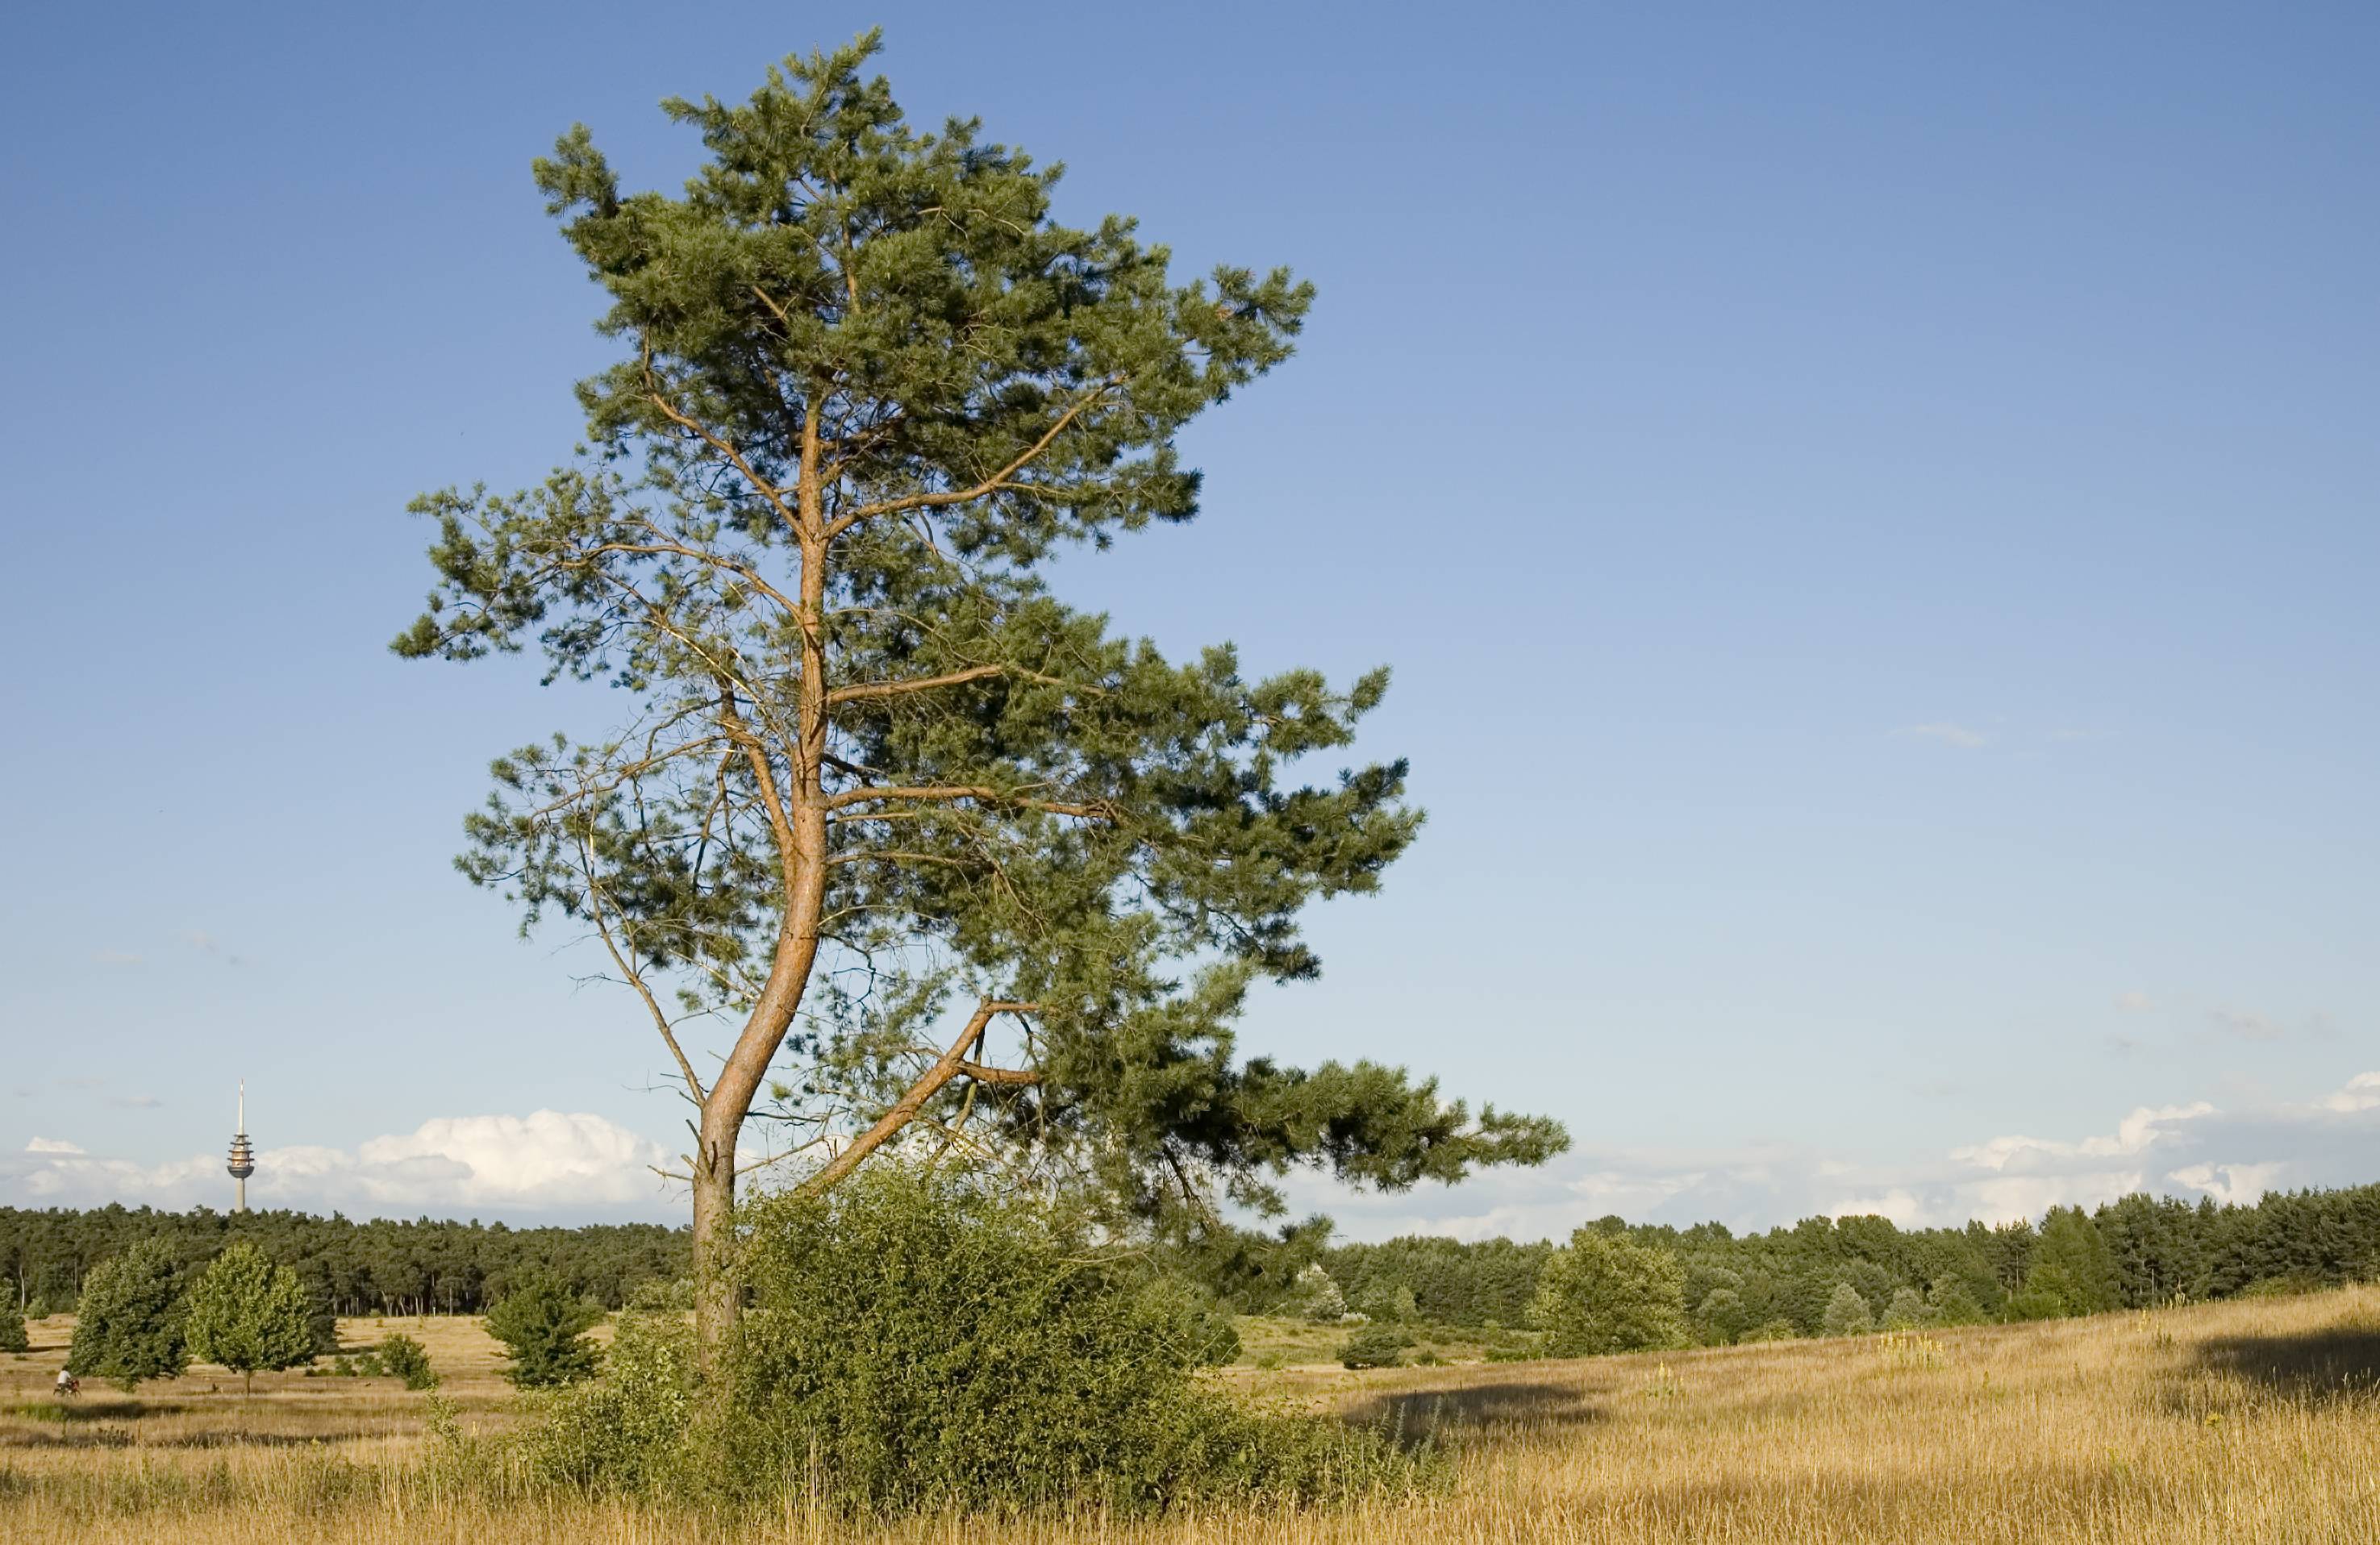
{"x":940,"y":856}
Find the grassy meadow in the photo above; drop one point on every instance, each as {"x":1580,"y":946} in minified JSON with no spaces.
{"x":2251,"y":1420}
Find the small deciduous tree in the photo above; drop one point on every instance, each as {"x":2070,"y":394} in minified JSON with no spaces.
{"x":1316,"y":1296}
{"x":1847,"y":1313}
{"x":13,"y":1337}
{"x":1722,"y":1317}
{"x":980,"y":872}
{"x":129,"y":1326}
{"x":245,"y":1313}
{"x":1907,"y":1311}
{"x":1605,"y":1292}
{"x":1953,"y":1303}
{"x":542,"y":1325}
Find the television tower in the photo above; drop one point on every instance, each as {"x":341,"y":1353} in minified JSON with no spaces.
{"x":243,"y":1157}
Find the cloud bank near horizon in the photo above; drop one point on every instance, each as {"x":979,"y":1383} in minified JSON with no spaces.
{"x":2187,"y":1150}
{"x":554,"y":1163}
{"x":546,"y":1162}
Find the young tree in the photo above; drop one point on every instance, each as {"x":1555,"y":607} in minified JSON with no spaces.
{"x":1316,"y":1296}
{"x":247,"y":1313}
{"x":1722,"y":1317}
{"x":13,"y":1337}
{"x":1954,"y":1303}
{"x":1907,"y":1311}
{"x":128,"y":1325}
{"x":1847,"y":1313}
{"x":978,"y":869}
{"x":1607,"y":1292}
{"x":541,"y":1322}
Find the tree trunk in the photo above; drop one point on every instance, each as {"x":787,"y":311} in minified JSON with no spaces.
{"x":714,"y":1280}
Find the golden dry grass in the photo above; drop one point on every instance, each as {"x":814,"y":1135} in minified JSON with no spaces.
{"x":2230,"y":1422}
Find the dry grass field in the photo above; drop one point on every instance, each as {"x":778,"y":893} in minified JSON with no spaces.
{"x":2256,"y":1421}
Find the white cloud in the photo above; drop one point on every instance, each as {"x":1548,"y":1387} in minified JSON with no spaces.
{"x":546,"y":1160}
{"x":1949,"y":734}
{"x":2363,"y":1093}
{"x":2185,"y":1149}
{"x":2135,"y":1003}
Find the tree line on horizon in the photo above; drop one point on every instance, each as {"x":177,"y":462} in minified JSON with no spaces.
{"x":2138,"y":1251}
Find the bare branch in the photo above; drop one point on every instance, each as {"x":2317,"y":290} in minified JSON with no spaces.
{"x":950,"y":1065}
{"x":990,"y":484}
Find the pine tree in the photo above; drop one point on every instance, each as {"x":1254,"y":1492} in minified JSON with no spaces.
{"x":540,"y":1321}
{"x":868,"y":391}
{"x":2071,"y":1244}
{"x":13,"y":1337}
{"x":128,"y":1325}
{"x":246,"y":1314}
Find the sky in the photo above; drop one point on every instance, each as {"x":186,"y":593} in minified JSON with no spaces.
{"x":1870,"y":510}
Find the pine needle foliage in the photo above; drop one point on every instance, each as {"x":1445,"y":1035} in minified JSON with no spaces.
{"x":543,"y":1323}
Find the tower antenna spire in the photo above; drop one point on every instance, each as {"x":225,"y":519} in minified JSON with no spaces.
{"x":243,"y":1155}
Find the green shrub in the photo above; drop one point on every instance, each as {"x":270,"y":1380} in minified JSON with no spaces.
{"x":917,"y":1343}
{"x":1770,"y":1330}
{"x":401,"y":1357}
{"x":1373,"y":1346}
{"x":628,"y":1431}
{"x":541,"y":1322}
{"x":2280,"y":1288}
{"x":12,"y":1330}
{"x":1954,"y":1303}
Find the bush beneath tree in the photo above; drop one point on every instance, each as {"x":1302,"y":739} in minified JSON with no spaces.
{"x":919,"y":1345}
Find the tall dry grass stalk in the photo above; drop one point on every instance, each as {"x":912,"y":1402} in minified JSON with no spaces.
{"x":2230,"y":1422}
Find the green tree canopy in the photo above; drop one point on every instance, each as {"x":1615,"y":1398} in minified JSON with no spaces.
{"x":247,"y":1314}
{"x":941,"y":856}
{"x":129,"y":1326}
{"x":2073,"y":1246}
{"x":13,"y":1336}
{"x":1847,"y":1313}
{"x":541,"y":1323}
{"x":1605,"y":1292}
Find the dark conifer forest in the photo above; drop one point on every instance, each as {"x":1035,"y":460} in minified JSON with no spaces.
{"x":2136,"y":1252}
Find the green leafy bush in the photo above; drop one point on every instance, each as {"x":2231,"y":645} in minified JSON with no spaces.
{"x":12,"y":1330}
{"x":401,"y":1357}
{"x":1374,"y":1346}
{"x":914,"y":1344}
{"x":630,"y":1431}
{"x":541,"y":1322}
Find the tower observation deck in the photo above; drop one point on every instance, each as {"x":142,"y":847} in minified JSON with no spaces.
{"x":243,"y":1157}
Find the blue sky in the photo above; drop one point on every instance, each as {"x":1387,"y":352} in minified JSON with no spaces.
{"x":1870,"y":514}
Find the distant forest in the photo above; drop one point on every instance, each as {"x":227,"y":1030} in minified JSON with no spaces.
{"x":2139,"y":1251}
